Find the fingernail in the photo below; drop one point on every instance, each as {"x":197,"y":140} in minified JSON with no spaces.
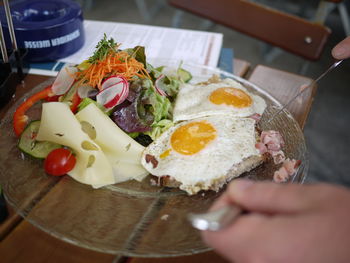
{"x":339,"y":52}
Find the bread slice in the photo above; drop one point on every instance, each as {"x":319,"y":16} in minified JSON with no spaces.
{"x":246,"y":165}
{"x":213,"y":168}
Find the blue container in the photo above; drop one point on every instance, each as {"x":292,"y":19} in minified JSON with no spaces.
{"x":49,"y":29}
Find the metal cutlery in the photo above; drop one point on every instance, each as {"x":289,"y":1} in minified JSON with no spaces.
{"x":10,"y":26}
{"x":11,"y":66}
{"x":15,"y":49}
{"x":333,"y":66}
{"x":215,"y":220}
{"x":223,"y":217}
{"x":3,"y":46}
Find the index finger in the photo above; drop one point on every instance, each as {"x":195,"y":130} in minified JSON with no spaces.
{"x":342,"y":49}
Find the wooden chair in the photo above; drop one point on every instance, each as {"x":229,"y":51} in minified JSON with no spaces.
{"x":325,"y":7}
{"x":288,"y":32}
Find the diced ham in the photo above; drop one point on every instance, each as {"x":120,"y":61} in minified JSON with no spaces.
{"x":281,"y":175}
{"x":278,"y":156}
{"x":288,"y":169}
{"x":273,"y":147}
{"x":261,"y":147}
{"x":291,"y":165}
{"x":272,"y":142}
{"x":273,"y":139}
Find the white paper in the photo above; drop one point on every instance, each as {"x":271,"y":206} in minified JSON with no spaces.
{"x":161,"y":43}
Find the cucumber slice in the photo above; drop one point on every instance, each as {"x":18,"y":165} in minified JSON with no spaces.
{"x":28,"y":143}
{"x":184,"y":75}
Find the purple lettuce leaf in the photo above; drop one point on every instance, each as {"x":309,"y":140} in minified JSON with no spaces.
{"x":131,"y":115}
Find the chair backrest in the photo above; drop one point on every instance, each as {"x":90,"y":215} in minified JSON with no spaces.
{"x":334,"y":1}
{"x":291,"y":33}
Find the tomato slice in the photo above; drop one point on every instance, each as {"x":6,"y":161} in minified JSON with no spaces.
{"x":59,"y":162}
{"x":19,"y":118}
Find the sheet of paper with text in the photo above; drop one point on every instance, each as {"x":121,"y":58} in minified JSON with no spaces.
{"x":162,"y":44}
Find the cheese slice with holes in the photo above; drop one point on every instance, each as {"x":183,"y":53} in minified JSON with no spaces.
{"x":59,"y":125}
{"x":124,"y":171}
{"x":123,"y":152}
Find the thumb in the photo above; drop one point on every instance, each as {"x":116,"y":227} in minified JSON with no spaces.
{"x":342,"y":49}
{"x":268,"y":197}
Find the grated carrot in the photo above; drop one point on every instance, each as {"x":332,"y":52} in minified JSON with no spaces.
{"x":115,"y":63}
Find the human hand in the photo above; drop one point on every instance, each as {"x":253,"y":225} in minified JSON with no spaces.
{"x":287,"y":223}
{"x":342,"y":49}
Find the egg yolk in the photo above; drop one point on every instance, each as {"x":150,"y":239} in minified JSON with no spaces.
{"x":165,"y":154}
{"x":231,"y":96}
{"x":192,"y":137}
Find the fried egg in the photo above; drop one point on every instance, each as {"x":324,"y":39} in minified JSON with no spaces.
{"x":224,"y":97}
{"x":200,"y":153}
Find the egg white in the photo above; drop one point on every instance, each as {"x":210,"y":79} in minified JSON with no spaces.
{"x":193,"y":102}
{"x":235,"y":140}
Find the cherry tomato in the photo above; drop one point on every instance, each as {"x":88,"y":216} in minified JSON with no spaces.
{"x":59,"y":162}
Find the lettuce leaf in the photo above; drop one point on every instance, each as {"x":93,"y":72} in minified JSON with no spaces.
{"x":138,"y":53}
{"x":142,"y":109}
{"x":86,"y":101}
{"x":159,"y":127}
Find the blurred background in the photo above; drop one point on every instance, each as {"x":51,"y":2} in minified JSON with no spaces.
{"x":327,"y":130}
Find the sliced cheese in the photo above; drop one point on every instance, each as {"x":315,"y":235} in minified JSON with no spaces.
{"x":125,"y":171}
{"x":123,"y":152}
{"x":59,"y":125}
{"x":110,"y":137}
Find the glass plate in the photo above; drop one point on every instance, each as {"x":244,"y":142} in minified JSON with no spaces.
{"x":132,"y":218}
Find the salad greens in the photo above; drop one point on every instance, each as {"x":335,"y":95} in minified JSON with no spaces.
{"x":138,"y":97}
{"x":147,"y":110}
{"x":86,"y":101}
{"x":138,"y":53}
{"x":144,"y":110}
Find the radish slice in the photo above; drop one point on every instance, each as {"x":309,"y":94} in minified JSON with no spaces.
{"x":124,"y":95}
{"x":113,"y":95}
{"x":64,"y":80}
{"x":83,"y":90}
{"x":112,"y":80}
{"x":157,"y":85}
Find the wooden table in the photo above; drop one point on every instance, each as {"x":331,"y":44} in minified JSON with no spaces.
{"x":22,"y":242}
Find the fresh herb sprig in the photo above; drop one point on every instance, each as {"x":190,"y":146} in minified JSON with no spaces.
{"x":103,"y":48}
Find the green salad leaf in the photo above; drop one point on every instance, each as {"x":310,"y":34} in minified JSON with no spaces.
{"x":86,"y":101}
{"x":159,"y":127}
{"x":138,"y":53}
{"x":161,"y":107}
